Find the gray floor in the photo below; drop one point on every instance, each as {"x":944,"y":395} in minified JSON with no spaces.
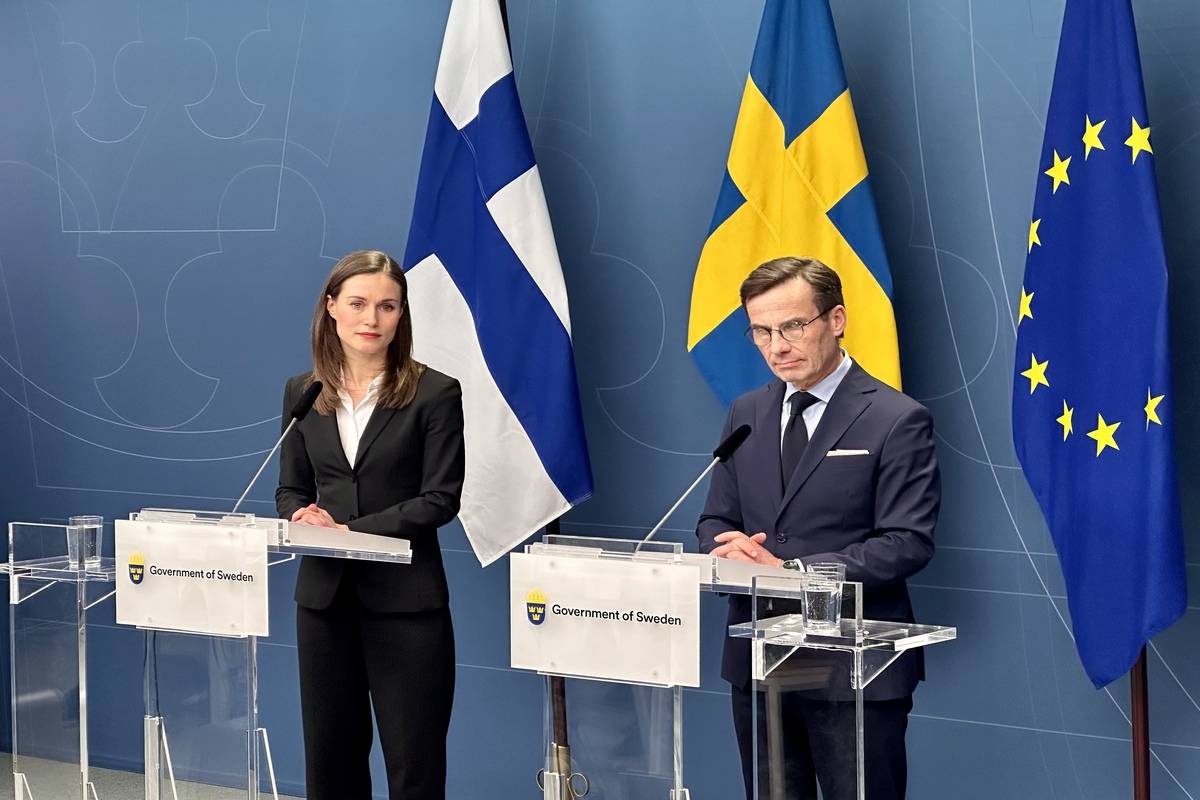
{"x":53,"y":780}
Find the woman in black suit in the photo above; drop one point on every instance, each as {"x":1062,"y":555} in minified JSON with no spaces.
{"x":384,"y":455}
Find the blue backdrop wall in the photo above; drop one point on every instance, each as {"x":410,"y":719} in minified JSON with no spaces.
{"x":176,"y":178}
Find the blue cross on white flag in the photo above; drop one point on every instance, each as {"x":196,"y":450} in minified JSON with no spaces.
{"x":487,"y":293}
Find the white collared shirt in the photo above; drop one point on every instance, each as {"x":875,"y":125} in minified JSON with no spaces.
{"x":823,"y":391}
{"x":352,"y":420}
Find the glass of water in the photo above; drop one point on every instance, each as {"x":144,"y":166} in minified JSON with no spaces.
{"x":83,"y":541}
{"x":833,"y":570}
{"x":823,"y":597}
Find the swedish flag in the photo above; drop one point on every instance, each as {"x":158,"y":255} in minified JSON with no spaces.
{"x":1092,"y":396}
{"x":795,"y":185}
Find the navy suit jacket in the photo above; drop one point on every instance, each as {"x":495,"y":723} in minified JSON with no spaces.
{"x":406,"y":481}
{"x":875,"y":513}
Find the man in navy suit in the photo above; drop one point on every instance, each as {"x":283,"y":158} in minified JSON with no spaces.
{"x":840,"y":467}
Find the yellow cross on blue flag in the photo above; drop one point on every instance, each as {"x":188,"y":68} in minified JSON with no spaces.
{"x":795,"y":185}
{"x":1092,"y":392}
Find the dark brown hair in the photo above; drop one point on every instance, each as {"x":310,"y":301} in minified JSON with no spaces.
{"x":401,"y":373}
{"x":825,"y":283}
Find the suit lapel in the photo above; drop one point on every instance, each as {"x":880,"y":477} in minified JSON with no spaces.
{"x":324,"y":433}
{"x":847,"y":404}
{"x":767,"y":420}
{"x":380,"y":417}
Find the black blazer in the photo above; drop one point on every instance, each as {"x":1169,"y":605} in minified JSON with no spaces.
{"x":406,"y":482}
{"x":874,"y":512}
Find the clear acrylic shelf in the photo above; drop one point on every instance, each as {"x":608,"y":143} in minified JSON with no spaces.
{"x":716,"y":574}
{"x":57,"y":568}
{"x":39,"y":550}
{"x":293,"y":538}
{"x":787,"y":630}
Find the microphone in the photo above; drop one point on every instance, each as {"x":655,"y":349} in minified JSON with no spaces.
{"x":305,"y":403}
{"x":732,"y":442}
{"x":299,"y":411}
{"x":724,"y":450}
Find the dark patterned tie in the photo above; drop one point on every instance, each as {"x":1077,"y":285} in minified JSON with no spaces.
{"x":795,"y":436}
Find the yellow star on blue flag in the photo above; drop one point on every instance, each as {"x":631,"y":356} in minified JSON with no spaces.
{"x":1110,"y":497}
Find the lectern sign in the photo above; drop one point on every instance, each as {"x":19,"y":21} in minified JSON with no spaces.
{"x":209,"y":579}
{"x":624,"y":620}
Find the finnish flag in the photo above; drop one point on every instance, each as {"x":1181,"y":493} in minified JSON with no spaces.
{"x":487,"y":293}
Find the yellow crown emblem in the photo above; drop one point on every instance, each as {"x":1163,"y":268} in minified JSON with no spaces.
{"x":535,"y":606}
{"x":137,"y":567}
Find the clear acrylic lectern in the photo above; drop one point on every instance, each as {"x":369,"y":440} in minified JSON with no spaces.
{"x":627,"y":736}
{"x":201,"y":691}
{"x":48,"y":603}
{"x":612,"y":738}
{"x":819,"y":676}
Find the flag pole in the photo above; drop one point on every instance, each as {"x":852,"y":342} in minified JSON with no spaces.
{"x":504,"y":19}
{"x":1140,"y":712}
{"x":560,"y":747}
{"x":558,"y":686}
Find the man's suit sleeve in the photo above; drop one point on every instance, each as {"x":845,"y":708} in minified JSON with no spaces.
{"x":722,"y":510}
{"x":442,"y":469}
{"x":297,"y":485}
{"x":907,"y":498}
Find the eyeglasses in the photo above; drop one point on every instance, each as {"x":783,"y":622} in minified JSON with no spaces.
{"x":790,"y":331}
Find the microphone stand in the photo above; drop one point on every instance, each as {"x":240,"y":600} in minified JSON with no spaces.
{"x":724,"y":451}
{"x":678,"y":503}
{"x":298,"y":412}
{"x":263,"y":466}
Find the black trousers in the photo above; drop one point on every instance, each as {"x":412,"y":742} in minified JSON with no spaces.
{"x":816,"y":748}
{"x":402,"y":665}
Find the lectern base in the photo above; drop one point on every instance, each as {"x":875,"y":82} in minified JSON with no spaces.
{"x":158,"y":758}
{"x":21,"y":790}
{"x":559,"y":786}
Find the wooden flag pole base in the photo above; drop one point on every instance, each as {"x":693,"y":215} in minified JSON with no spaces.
{"x":561,"y":747}
{"x":1140,"y":713}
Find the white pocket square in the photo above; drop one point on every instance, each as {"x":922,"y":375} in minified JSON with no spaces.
{"x":848,"y":453}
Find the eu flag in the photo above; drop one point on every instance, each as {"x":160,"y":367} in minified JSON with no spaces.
{"x":1092,"y":393}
